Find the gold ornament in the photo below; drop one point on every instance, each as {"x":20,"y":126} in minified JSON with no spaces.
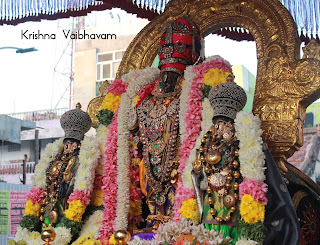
{"x":229,"y":201}
{"x":48,"y":235}
{"x":122,"y":237}
{"x":213,"y":157}
{"x":235,"y":164}
{"x":197,"y":166}
{"x":213,"y":211}
{"x":53,"y":217}
{"x":227,"y":218}
{"x":210,"y":200}
{"x":218,"y":219}
{"x":236,"y":174}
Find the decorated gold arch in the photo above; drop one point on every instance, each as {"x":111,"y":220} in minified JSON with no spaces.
{"x":285,"y":84}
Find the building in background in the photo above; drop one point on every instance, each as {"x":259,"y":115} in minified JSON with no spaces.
{"x":98,"y":60}
{"x":32,"y":142}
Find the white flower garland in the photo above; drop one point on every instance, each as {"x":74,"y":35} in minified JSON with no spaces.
{"x":101,"y":136}
{"x":63,"y":236}
{"x":50,"y":152}
{"x":139,"y":78}
{"x":92,"y":224}
{"x":172,"y":230}
{"x":251,"y":156}
{"x":88,"y":159}
{"x":243,"y":241}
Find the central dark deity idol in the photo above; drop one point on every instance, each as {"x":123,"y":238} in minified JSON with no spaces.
{"x":158,"y":119}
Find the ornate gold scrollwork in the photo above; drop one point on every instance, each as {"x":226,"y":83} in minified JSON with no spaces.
{"x":285,"y":84}
{"x":311,"y":50}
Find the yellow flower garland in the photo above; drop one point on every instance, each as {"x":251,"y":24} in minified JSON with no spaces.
{"x":189,"y":210}
{"x":32,"y":209}
{"x":215,"y":76}
{"x":96,"y":199}
{"x":112,"y":240}
{"x":87,"y":240}
{"x":75,"y":211}
{"x":111,"y":102}
{"x":251,"y":211}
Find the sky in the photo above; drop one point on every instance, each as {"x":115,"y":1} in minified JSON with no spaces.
{"x":29,"y":81}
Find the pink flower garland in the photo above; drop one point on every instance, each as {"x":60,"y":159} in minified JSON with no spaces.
{"x":193,"y":127}
{"x":145,"y":92}
{"x":203,"y":68}
{"x":98,"y":182}
{"x":117,"y":87}
{"x":254,"y":188}
{"x":110,"y":181}
{"x":36,"y":195}
{"x":82,"y":195}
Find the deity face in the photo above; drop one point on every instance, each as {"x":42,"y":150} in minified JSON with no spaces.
{"x":179,"y":47}
{"x":169,"y":80}
{"x":70,"y":146}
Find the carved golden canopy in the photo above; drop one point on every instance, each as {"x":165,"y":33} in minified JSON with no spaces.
{"x":285,"y":84}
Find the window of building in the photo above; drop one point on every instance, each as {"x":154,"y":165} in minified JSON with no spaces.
{"x":107,"y":66}
{"x":14,"y":147}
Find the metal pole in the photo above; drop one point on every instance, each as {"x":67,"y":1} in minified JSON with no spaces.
{"x":36,"y":147}
{"x":24,"y":176}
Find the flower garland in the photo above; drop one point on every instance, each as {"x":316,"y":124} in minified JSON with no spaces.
{"x":111,"y":101}
{"x":79,"y":198}
{"x":123,"y":178}
{"x":172,"y":232}
{"x":206,"y":115}
{"x":140,"y":79}
{"x":50,"y":152}
{"x":83,"y":185}
{"x":252,"y":190}
{"x":112,"y":174}
{"x":109,"y":187}
{"x":36,"y":195}
{"x":141,"y":85}
{"x":194,"y":75}
{"x":91,"y":225}
{"x":93,"y":214}
{"x":189,"y":210}
{"x":63,"y":236}
{"x":87,"y":240}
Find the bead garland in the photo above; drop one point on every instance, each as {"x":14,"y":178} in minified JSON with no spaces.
{"x":220,"y":179}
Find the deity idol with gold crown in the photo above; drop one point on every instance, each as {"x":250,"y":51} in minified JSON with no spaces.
{"x":156,"y":120}
{"x":65,"y":189}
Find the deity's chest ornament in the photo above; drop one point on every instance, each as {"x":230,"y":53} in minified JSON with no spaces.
{"x":158,"y":119}
{"x":218,"y":158}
